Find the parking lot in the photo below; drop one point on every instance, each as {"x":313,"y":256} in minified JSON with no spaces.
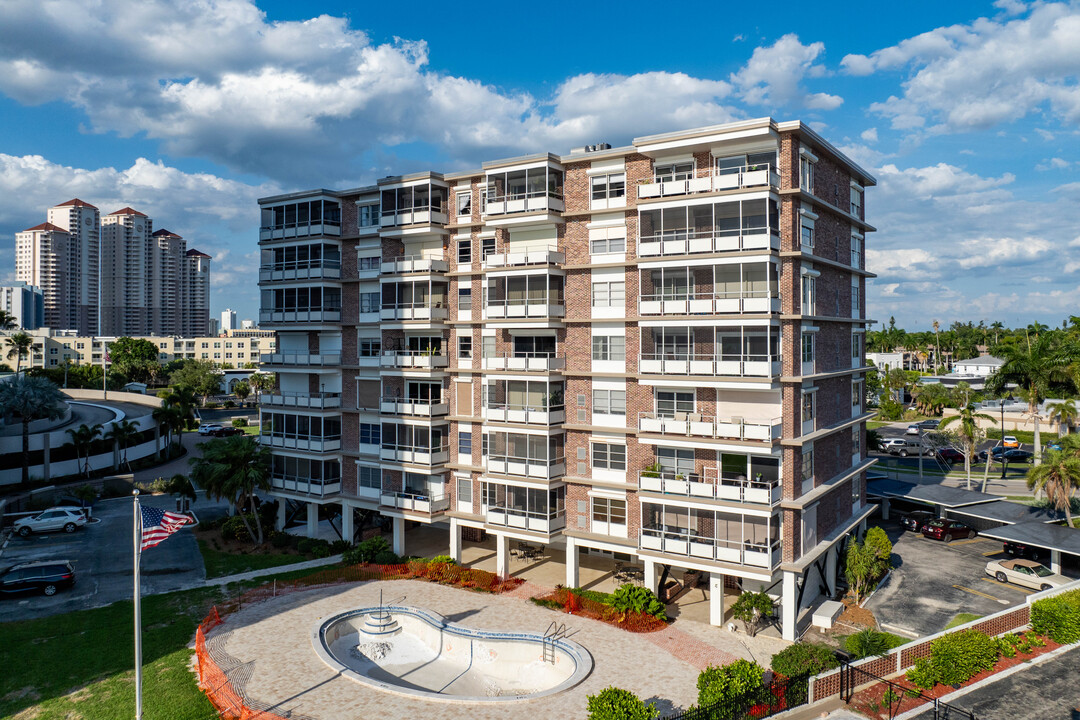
{"x":101,"y":554}
{"x":933,"y":581}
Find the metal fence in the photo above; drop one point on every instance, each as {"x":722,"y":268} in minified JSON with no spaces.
{"x":895,"y":699}
{"x":779,"y":695}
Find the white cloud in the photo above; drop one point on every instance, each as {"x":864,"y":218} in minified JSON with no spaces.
{"x":1045,"y":134}
{"x":1053,"y":164}
{"x":773,"y":75}
{"x":869,"y":135}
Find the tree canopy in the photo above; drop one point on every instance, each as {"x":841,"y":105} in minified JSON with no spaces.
{"x":134,"y":357}
{"x":199,"y":375}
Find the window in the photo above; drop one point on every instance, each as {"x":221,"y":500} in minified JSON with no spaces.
{"x":464,"y":347}
{"x":609,"y":457}
{"x":806,"y":173}
{"x":676,"y":460}
{"x":369,"y":434}
{"x":464,"y":443}
{"x":609,"y":402}
{"x":488,"y":247}
{"x":368,"y":263}
{"x":856,"y":346}
{"x":669,"y":172}
{"x":808,"y":406}
{"x":369,"y":302}
{"x":855,"y":296}
{"x":856,"y":251}
{"x":609,"y":294}
{"x":464,"y":490}
{"x":808,"y":347}
{"x":807,"y":464}
{"x":856,"y":440}
{"x":464,"y":252}
{"x":369,"y":215}
{"x":669,"y":402}
{"x":487,"y":347}
{"x":608,"y":186}
{"x":609,"y":347}
{"x":856,"y":394}
{"x":464,"y":299}
{"x":809,"y":293}
{"x":463,"y":202}
{"x":609,"y":510}
{"x":368,"y":477}
{"x":608,"y":244}
{"x":368,"y":347}
{"x":807,"y":236}
{"x":856,"y":201}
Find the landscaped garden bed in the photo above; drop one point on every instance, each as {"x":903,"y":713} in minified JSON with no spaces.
{"x":631,"y":607}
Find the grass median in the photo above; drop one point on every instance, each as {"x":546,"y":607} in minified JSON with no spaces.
{"x":220,"y":563}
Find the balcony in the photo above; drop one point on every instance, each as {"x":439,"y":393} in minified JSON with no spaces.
{"x":735,"y":178}
{"x":710,"y":241}
{"x":710,"y":365}
{"x":321,"y":316}
{"x":524,"y":202}
{"x":526,"y":415}
{"x":550,"y":256}
{"x":271,"y":233}
{"x":427,"y":504}
{"x":706,"y":304}
{"x":414,"y":264}
{"x":283,"y":272}
{"x":313,"y":400}
{"x":545,"y":307}
{"x":430,"y":311}
{"x":414,"y":454}
{"x":691,"y":545}
{"x":306,"y":486}
{"x":521,"y":519}
{"x":710,"y":486}
{"x":413,"y":359}
{"x":526,"y":467}
{"x":422,"y":407}
{"x":302,"y":359}
{"x":310,"y":444}
{"x":525,"y":362}
{"x":696,"y":425}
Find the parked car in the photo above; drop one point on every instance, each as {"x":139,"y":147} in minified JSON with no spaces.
{"x":1025,"y":551}
{"x":1025,"y":572}
{"x":995,"y":453}
{"x":912,"y":429}
{"x":209,"y":428}
{"x":44,"y":576}
{"x":951,"y":455}
{"x":914,"y":521}
{"x":226,"y":431}
{"x":907,"y":447}
{"x":55,"y":518}
{"x":946,"y":530}
{"x":1017,"y":456}
{"x":928,"y":425}
{"x":886,"y":444}
{"x":1010,"y":442}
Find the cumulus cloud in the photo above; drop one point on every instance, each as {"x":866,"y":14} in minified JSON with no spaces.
{"x":869,"y":135}
{"x":1053,"y":164}
{"x":773,"y":75}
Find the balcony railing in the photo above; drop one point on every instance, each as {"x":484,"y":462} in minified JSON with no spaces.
{"x":524,"y":414}
{"x":707,"y":364}
{"x":533,"y":307}
{"x":425,"y":407}
{"x":323,"y":315}
{"x":707,"y":548}
{"x":544,"y":522}
{"x":525,"y":362}
{"x":301,"y":359}
{"x":415,"y":502}
{"x":326,"y":269}
{"x":436,"y":214}
{"x":413,"y":311}
{"x":414,"y":455}
{"x":697,"y":425}
{"x":413,"y":359}
{"x":311,"y":444}
{"x":524,"y":202}
{"x":306,"y":486}
{"x":710,"y":486}
{"x":688,"y":242}
{"x":747,"y":176}
{"x":526,"y":467}
{"x":550,"y":256}
{"x":414,"y":264}
{"x":294,"y":230}
{"x":314,"y":400}
{"x":706,"y":304}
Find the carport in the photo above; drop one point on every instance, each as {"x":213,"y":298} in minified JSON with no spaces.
{"x":940,"y":497}
{"x":986,"y":516}
{"x":1055,"y":538}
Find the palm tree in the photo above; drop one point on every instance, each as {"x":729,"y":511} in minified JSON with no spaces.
{"x":30,"y":398}
{"x":233,"y":469}
{"x":968,"y":432}
{"x":122,"y":433}
{"x":997,"y":327}
{"x":185,"y":399}
{"x":168,"y":417}
{"x":262,"y":382}
{"x":1063,"y":413}
{"x":241,"y":390}
{"x":7,"y":321}
{"x":1058,"y":479}
{"x":19,"y":347}
{"x":82,"y":439}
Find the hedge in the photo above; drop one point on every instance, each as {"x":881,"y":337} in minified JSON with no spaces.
{"x":1058,"y":617}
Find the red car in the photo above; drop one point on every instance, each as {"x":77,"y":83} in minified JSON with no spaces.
{"x":946,"y":529}
{"x":951,"y":455}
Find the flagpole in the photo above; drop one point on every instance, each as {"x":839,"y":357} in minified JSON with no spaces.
{"x":137,"y":538}
{"x":105,"y":372}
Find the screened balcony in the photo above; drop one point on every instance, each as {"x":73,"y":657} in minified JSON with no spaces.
{"x":746,"y":351}
{"x":301,"y":219}
{"x":414,"y":264}
{"x":421,"y":494}
{"x":519,"y":191}
{"x":423,"y":300}
{"x":300,"y":432}
{"x":420,"y":352}
{"x":727,"y":173}
{"x":521,"y":258}
{"x":525,"y":296}
{"x":691,"y":424}
{"x":414,"y":205}
{"x":301,"y":305}
{"x":314,"y":400}
{"x":538,"y":456}
{"x":710,"y":290}
{"x":538,"y":402}
{"x":421,"y":399}
{"x":535,"y":509}
{"x":737,"y":478}
{"x":301,"y":359}
{"x":300,"y":262}
{"x":414,"y":444}
{"x":709,"y":228}
{"x":531,"y":353}
{"x":309,"y":476}
{"x":711,"y":535}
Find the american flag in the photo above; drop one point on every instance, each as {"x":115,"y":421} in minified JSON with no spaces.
{"x":158,"y":525}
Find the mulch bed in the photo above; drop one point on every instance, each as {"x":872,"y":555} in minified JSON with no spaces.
{"x":869,"y":700}
{"x":573,"y":604}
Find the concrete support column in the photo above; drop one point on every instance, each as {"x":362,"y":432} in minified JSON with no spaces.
{"x":884,"y":508}
{"x":116,"y":457}
{"x":789,"y":607}
{"x":1055,"y":561}
{"x":279,"y":524}
{"x":455,"y":540}
{"x":652,"y":581}
{"x":347,"y":528}
{"x":312,"y":520}
{"x":157,"y":441}
{"x":46,"y":470}
{"x":830,"y":569}
{"x":716,"y":599}
{"x":572,"y":579}
{"x":399,"y":536}
{"x":502,"y":555}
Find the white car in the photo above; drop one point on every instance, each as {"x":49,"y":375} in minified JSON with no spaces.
{"x":209,"y":428}
{"x":56,"y":518}
{"x":1025,"y":572}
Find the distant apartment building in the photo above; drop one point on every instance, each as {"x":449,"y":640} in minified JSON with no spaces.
{"x":212,"y":327}
{"x":653,"y":353}
{"x":247,"y":324}
{"x":51,"y":348}
{"x":25,"y":303}
{"x":195,"y":295}
{"x":228,"y":320}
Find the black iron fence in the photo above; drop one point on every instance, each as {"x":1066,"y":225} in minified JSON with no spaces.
{"x":895,"y":698}
{"x":777,"y":696}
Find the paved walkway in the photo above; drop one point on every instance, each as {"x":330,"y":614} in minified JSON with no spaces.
{"x":254,"y":574}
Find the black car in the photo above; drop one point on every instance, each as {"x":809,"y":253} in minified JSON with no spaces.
{"x":995,"y":453}
{"x":44,"y":577}
{"x":1025,"y":551}
{"x":1015,"y":455}
{"x":226,"y":432}
{"x":914,"y":521}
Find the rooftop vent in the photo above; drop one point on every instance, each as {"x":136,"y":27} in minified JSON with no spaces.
{"x":590,"y":148}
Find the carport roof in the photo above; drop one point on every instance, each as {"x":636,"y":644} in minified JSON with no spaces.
{"x":1010,"y":512}
{"x":949,"y":497}
{"x":1041,"y":535}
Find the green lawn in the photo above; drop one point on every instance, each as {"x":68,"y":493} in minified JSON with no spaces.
{"x":220,"y":564}
{"x":875,"y":424}
{"x":1027,"y":437}
{"x":960,"y":619}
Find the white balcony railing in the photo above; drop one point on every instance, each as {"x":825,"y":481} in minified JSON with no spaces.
{"x":306,"y":486}
{"x":706,"y":304}
{"x":689,"y":243}
{"x":550,"y":256}
{"x":525,"y":362}
{"x":294,"y":231}
{"x":521,"y":519}
{"x":414,"y":264}
{"x":302,"y":359}
{"x":524,"y":202}
{"x":311,"y":444}
{"x":697,"y":425}
{"x":413,"y":359}
{"x":539,"y":307}
{"x":433,"y":311}
{"x":710,"y":486}
{"x":747,"y":176}
{"x":331,"y":315}
{"x":415,"y":502}
{"x":707,"y":548}
{"x":327,"y":269}
{"x":424,"y":407}
{"x":316,"y":400}
{"x":711,"y":365}
{"x":526,"y":467}
{"x":524,"y":414}
{"x":414,"y":216}
{"x":414,"y":455}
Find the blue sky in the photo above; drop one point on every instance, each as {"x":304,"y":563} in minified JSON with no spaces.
{"x":967,"y":113}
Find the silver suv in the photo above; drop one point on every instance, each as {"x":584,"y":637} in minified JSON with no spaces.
{"x":56,"y":518}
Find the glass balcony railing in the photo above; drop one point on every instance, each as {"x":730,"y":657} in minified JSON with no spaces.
{"x":531,"y":307}
{"x":512,"y":413}
{"x":526,"y":467}
{"x":689,"y":242}
{"x":306,"y":486}
{"x":298,"y":442}
{"x":412,"y":311}
{"x":419,"y":455}
{"x":549,"y":256}
{"x":321,"y":315}
{"x":414,"y":264}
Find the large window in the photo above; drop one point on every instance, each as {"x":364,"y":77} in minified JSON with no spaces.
{"x":416,"y":198}
{"x":808,"y":347}
{"x":856,"y":201}
{"x":754,"y":161}
{"x":370,"y":433}
{"x":856,"y":345}
{"x":669,"y":402}
{"x":609,"y":294}
{"x":722,"y":219}
{"x":809,"y":293}
{"x":856,"y":394}
{"x":676,"y":460}
{"x":464,"y":252}
{"x":668,"y":172}
{"x":609,"y":402}
{"x":856,"y":251}
{"x":806,"y":173}
{"x":609,"y":347}
{"x":608,"y":244}
{"x":807,"y":235}
{"x":369,"y":477}
{"x":807,"y":464}
{"x":464,"y":490}
{"x":464,"y":443}
{"x":521,"y":184}
{"x":607,"y":456}
{"x":464,"y":345}
{"x":808,"y":406}
{"x":608,"y":186}
{"x":368,"y":347}
{"x":855,"y":296}
{"x":609,"y":510}
{"x":463,"y":202}
{"x":464,"y":299}
{"x":368,"y":215}
{"x":368,"y":263}
{"x":369,"y":302}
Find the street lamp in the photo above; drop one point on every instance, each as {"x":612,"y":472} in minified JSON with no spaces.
{"x":1004,"y":462}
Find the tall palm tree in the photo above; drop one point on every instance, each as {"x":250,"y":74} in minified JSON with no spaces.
{"x":1058,"y":478}
{"x":82,"y":439}
{"x":241,"y":390}
{"x":1063,"y":413}
{"x":234,"y":469}
{"x":186,"y":400}
{"x":18,"y":347}
{"x":7,"y":321}
{"x":997,"y":327}
{"x":30,"y":399}
{"x":968,"y":432}
{"x":169,"y":417}
{"x":122,"y":433}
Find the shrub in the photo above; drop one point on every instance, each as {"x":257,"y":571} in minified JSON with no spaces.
{"x":890,"y":410}
{"x":866,"y":643}
{"x":922,"y":675}
{"x":879,"y":544}
{"x":233,"y":528}
{"x":386,"y":557}
{"x":442,"y":559}
{"x":239,"y":422}
{"x":635,"y":598}
{"x":802,"y":659}
{"x":339,"y":546}
{"x":754,"y":609}
{"x":352,"y":556}
{"x":958,"y":656}
{"x":279,"y":539}
{"x":1058,"y":617}
{"x":616,"y":704}
{"x":321,"y":551}
{"x":306,"y":546}
{"x":718,"y":684}
{"x":228,"y":404}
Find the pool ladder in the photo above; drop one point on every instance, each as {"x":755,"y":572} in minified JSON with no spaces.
{"x":554,"y":633}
